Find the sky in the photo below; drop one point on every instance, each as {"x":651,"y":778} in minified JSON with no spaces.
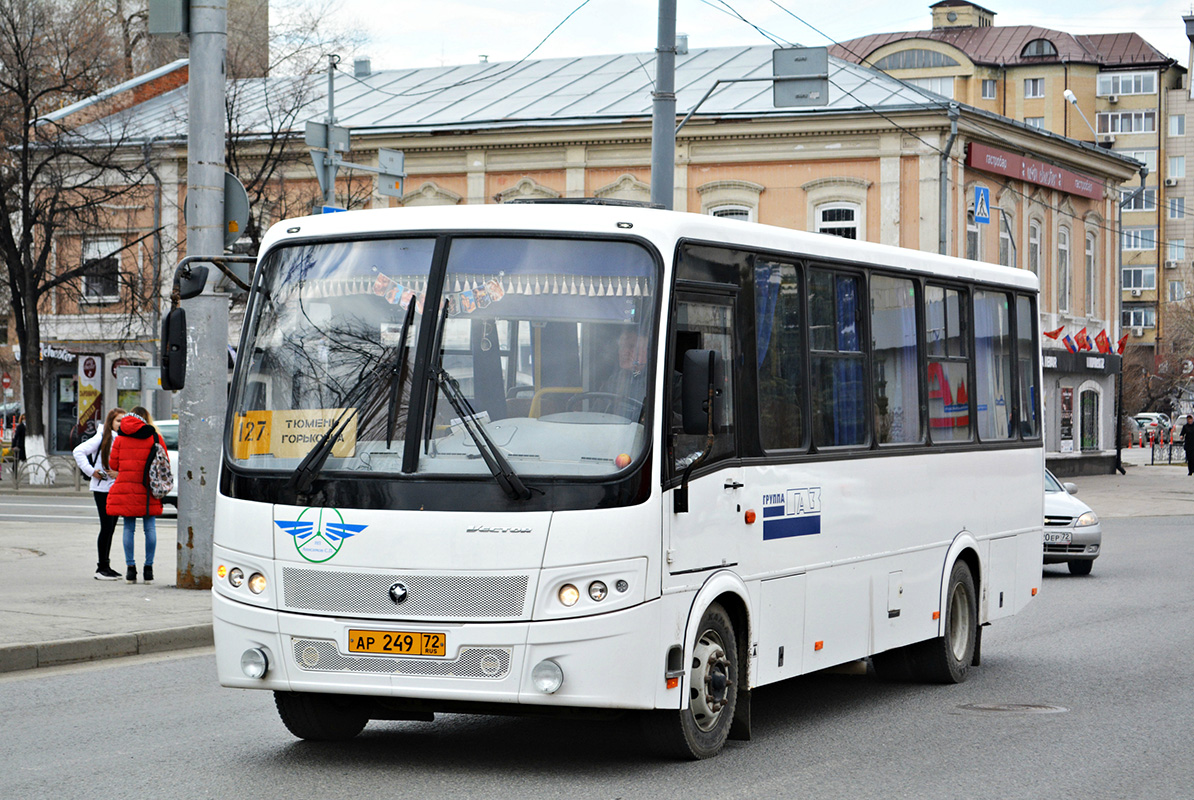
{"x":423,"y":33}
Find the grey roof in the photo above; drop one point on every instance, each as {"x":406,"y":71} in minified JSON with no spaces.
{"x":548,"y":92}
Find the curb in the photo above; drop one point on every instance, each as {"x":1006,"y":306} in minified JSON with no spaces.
{"x":16,"y":657}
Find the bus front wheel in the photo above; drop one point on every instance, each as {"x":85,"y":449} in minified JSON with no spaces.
{"x":947,"y":659}
{"x":320,"y":717}
{"x":700,"y":730}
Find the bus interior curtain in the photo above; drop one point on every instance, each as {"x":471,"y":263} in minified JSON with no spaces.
{"x":848,"y":385}
{"x":767,"y":283}
{"x":489,"y":392}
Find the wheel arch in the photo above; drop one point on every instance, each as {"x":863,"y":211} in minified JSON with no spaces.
{"x":729,"y":590}
{"x":964,"y":548}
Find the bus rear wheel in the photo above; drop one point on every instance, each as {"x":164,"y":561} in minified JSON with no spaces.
{"x":947,"y":659}
{"x":700,"y":730}
{"x":320,"y":717}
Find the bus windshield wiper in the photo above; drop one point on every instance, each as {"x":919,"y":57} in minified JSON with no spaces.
{"x":399,"y":374}
{"x":505,"y":475}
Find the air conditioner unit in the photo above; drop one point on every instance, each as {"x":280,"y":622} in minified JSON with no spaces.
{"x":1171,"y":181}
{"x":1170,"y":265}
{"x":1107,"y":138}
{"x":1112,"y":98}
{"x":1137,"y":331}
{"x":1135,"y":293}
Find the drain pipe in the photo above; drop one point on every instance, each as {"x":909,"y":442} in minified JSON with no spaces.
{"x":942,"y":184}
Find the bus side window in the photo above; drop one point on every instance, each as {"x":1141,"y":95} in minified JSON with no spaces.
{"x":946,"y":337}
{"x":704,"y":325}
{"x":837,"y":359}
{"x":779,"y":338}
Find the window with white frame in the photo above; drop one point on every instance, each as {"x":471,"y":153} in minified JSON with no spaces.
{"x":1177,"y":291}
{"x":1177,"y":250}
{"x":1117,"y":83}
{"x":1139,"y":239}
{"x":838,"y":219}
{"x":1063,"y":270}
{"x":101,"y":275}
{"x":1034,"y":247}
{"x":1034,"y":87}
{"x":1142,"y":121}
{"x":1092,"y":275}
{"x":1177,"y":208}
{"x":943,"y":86}
{"x":1139,"y":317}
{"x":974,"y":250}
{"x":1146,"y":157}
{"x":1177,"y":124}
{"x":742,"y":213}
{"x":989,"y":89}
{"x":1144,"y":201}
{"x":1177,"y":167}
{"x":1142,"y":278}
{"x":1035,"y":122}
{"x":1005,"y":248}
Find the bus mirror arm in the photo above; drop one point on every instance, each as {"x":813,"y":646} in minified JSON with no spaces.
{"x":700,"y":372}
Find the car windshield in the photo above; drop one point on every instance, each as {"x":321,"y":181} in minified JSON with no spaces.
{"x":1052,"y":484}
{"x":548,"y":341}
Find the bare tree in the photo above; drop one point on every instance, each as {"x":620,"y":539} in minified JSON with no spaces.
{"x":60,"y":172}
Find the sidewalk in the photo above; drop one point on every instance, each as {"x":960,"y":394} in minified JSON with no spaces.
{"x":53,"y":612}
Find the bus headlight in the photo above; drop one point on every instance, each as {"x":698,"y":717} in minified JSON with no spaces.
{"x":256,"y":583}
{"x":568,"y":594}
{"x":598,"y":591}
{"x":236,"y":577}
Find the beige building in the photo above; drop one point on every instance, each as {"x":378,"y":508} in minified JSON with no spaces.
{"x":1120,"y":85}
{"x":868,"y":165}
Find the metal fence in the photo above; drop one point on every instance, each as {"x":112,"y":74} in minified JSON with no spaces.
{"x":58,"y":471}
{"x":1168,"y":453}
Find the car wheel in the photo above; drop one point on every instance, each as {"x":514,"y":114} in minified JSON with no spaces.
{"x":1081,"y":567}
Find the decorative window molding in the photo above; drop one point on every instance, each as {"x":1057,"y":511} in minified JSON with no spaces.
{"x":732,"y":193}
{"x":526,"y":187}
{"x":626,"y":187}
{"x":429,"y":194}
{"x":822,"y":193}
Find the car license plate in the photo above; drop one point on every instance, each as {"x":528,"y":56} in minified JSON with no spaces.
{"x":1059,"y":537}
{"x":398,"y":643}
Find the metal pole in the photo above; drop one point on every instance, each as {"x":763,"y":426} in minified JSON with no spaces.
{"x":1119,"y":304}
{"x":663,"y":116}
{"x":943,"y":181}
{"x":329,"y":195}
{"x":203,"y":401}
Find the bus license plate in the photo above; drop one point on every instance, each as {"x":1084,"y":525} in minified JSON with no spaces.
{"x":398,"y":643}
{"x":1059,"y":537}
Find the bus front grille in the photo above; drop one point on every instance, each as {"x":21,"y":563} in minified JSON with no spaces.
{"x":430,"y":597}
{"x":319,"y":655}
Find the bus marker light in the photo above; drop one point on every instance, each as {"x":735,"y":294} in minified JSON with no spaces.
{"x":818,"y":645}
{"x":936,"y":615}
{"x":547,"y":677}
{"x":1034,"y":591}
{"x":750,"y":516}
{"x":672,"y":683}
{"x":623,"y":460}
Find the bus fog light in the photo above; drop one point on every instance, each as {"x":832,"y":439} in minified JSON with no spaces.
{"x":257,"y":583}
{"x":236,"y":577}
{"x":598,"y":591}
{"x":254,"y":663}
{"x":547,"y":677}
{"x":569,"y":594}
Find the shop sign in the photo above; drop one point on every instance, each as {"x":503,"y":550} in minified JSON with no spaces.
{"x":1029,"y":170}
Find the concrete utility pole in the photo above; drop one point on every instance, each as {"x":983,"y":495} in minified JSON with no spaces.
{"x":663,"y":109}
{"x":204,"y":399}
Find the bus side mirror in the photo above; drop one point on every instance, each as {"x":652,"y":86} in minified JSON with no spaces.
{"x":702,"y":372}
{"x":191,"y":281}
{"x":174,"y":349}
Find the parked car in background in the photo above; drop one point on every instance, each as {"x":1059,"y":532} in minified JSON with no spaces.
{"x":1073,"y":535}
{"x":169,"y":430}
{"x":1153,"y":424}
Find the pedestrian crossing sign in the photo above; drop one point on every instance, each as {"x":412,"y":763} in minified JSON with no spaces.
{"x":982,"y":204}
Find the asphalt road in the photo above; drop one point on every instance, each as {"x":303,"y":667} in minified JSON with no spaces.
{"x":1086,"y":694}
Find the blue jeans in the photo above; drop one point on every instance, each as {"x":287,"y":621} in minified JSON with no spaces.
{"x":150,"y":526}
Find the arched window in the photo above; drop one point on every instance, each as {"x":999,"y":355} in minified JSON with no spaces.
{"x":838,"y":219}
{"x":731,"y":212}
{"x":1034,"y":247}
{"x":1063,"y":270}
{"x":1038,"y":47}
{"x":1088,"y":410}
{"x":915,"y":58}
{"x":1092,"y":277}
{"x":973,"y":238}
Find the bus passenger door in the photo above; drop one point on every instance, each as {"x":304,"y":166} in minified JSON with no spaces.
{"x":710,"y":533}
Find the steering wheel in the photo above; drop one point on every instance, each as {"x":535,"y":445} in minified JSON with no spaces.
{"x":608,"y":403}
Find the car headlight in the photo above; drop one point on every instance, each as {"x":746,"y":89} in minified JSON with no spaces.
{"x":1087,"y":519}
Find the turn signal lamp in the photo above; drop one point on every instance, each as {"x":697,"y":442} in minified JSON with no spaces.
{"x":750,"y":517}
{"x":672,"y":683}
{"x":222,"y":571}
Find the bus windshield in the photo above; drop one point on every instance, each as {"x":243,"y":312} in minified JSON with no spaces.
{"x":538,"y":348}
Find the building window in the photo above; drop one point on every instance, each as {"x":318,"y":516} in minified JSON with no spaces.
{"x":989,"y":88}
{"x":1177,"y":167}
{"x":1038,"y":47}
{"x":1092,"y":275}
{"x":1177,"y":208}
{"x":838,"y":219}
{"x":1034,"y":87}
{"x":973,"y":241}
{"x":1177,"y":124}
{"x":943,"y":86}
{"x":1088,"y":407}
{"x":1177,"y":250}
{"x":916,"y":58}
{"x":1143,"y":121}
{"x":1177,"y":291}
{"x":731,"y":212}
{"x":1144,"y":201}
{"x":1142,"y":278}
{"x":1005,"y":248}
{"x":1063,"y":270}
{"x":1139,"y":239}
{"x":1139,"y":317}
{"x":1127,"y":83}
{"x":1147,"y":157}
{"x":1035,"y":122}
{"x":1034,"y":247}
{"x":101,"y":276}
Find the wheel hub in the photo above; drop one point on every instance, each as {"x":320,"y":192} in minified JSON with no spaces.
{"x":710,"y":680}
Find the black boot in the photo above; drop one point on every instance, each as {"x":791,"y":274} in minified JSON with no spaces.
{"x":131,"y":575}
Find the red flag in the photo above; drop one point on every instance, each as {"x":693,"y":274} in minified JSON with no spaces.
{"x":1122,"y":341}
{"x":1054,"y":334}
{"x":1104,"y":344}
{"x":1082,"y":340}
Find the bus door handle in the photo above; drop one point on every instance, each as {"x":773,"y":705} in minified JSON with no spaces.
{"x":733,"y":484}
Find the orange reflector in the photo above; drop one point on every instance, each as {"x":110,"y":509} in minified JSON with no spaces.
{"x":818,"y":645}
{"x":750,"y":517}
{"x":222,"y":571}
{"x":936,"y":615}
{"x":1034,"y":591}
{"x":672,"y":683}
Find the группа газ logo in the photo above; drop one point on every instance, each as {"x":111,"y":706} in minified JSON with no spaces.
{"x":318,"y":540}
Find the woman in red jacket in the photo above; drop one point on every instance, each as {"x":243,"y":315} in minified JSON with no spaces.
{"x":129,"y":497}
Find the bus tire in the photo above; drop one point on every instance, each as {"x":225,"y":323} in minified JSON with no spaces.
{"x":320,"y":717}
{"x":947,"y":658}
{"x":700,"y":730}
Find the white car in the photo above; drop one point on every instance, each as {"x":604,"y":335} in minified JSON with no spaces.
{"x":1073,"y":535}
{"x":169,"y":430}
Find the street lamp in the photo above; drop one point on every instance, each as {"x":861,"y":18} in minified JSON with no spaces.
{"x":1072,"y":99}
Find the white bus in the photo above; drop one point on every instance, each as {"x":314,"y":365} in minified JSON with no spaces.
{"x":561,"y":457}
